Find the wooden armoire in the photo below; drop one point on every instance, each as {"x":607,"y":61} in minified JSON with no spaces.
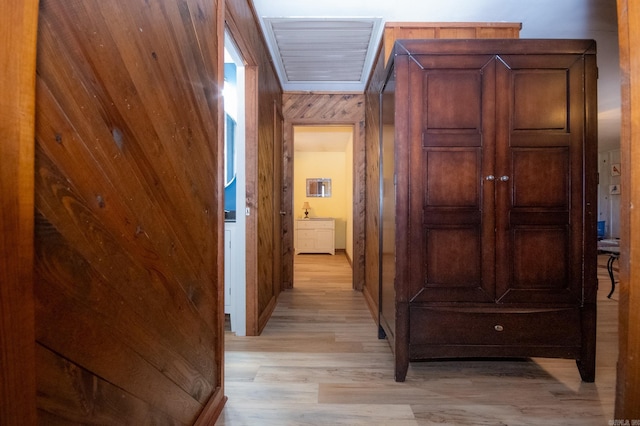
{"x":489,"y":179}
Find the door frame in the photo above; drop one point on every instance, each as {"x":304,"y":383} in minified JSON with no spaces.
{"x":18,"y":36}
{"x":279,"y":213}
{"x":628,"y":372}
{"x":251,"y":86}
{"x":357,"y":262}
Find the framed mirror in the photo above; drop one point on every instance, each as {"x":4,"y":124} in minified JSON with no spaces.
{"x":318,"y":187}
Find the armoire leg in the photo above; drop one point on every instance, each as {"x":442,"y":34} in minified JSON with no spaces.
{"x":402,"y":365}
{"x":587,"y":369}
{"x":381,"y":333}
{"x":587,"y":362}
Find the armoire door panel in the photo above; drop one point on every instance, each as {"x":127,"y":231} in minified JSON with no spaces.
{"x":453,"y":268}
{"x":445,"y":91}
{"x":444,"y":122}
{"x":540,"y":178}
{"x":539,"y":231}
{"x":540,"y":99}
{"x":541,"y":268}
{"x":447,"y":84}
{"x":453,"y":257}
{"x":540,"y":258}
{"x":543,"y":89}
{"x":451,"y":178}
{"x":457,"y":124}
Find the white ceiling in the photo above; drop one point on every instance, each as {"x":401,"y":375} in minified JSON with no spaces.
{"x":594,"y":19}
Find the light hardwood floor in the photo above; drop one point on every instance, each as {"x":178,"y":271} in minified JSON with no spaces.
{"x":319,"y":362}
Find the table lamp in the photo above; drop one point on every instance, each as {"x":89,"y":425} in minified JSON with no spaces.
{"x":306,"y":208}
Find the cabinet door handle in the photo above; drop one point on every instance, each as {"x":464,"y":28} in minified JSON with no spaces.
{"x":490,"y":177}
{"x":504,"y":178}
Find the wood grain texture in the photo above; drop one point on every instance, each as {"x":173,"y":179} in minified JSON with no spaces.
{"x":628,"y":384}
{"x":323,"y":109}
{"x":128,"y":201}
{"x":251,"y":182}
{"x":373,"y":196}
{"x":517,"y":262}
{"x":18,"y":25}
{"x":262,"y":147}
{"x":392,"y":32}
{"x":69,"y":393}
{"x":288,"y":234}
{"x":319,"y":362}
{"x":279,"y":190}
{"x":402,"y":30}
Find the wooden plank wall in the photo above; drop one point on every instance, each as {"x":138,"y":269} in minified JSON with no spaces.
{"x":628,"y":377}
{"x":263,"y":142}
{"x":325,"y":109}
{"x":18,"y":25}
{"x":128,"y":229}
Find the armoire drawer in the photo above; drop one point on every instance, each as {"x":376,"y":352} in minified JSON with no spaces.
{"x":473,"y":326}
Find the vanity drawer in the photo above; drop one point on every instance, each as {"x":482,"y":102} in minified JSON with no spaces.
{"x":472,"y":326}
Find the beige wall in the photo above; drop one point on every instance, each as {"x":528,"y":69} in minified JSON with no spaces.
{"x":332,"y":165}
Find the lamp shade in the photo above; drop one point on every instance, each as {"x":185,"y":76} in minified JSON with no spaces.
{"x":306,"y":205}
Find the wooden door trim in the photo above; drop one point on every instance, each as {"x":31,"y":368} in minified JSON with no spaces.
{"x":18,"y":36}
{"x":287,"y":205}
{"x":251,"y":84}
{"x":279,"y":191}
{"x":251,"y":183}
{"x":628,"y":374}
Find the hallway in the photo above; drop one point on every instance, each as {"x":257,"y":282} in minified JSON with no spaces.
{"x":319,"y":362}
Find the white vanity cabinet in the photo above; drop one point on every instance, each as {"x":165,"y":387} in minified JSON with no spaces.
{"x":316,"y":235}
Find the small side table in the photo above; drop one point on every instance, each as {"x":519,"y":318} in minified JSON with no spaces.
{"x":612,"y":248}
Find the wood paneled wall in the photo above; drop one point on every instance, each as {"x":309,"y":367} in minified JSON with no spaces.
{"x":321,"y":109}
{"x":263,"y":147}
{"x":128,"y":230}
{"x":18,"y":25}
{"x":628,"y":379}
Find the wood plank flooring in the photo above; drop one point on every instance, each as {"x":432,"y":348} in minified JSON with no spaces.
{"x":319,"y":362}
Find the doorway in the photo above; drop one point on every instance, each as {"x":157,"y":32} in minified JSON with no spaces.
{"x":235,"y":189}
{"x":324,"y":153}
